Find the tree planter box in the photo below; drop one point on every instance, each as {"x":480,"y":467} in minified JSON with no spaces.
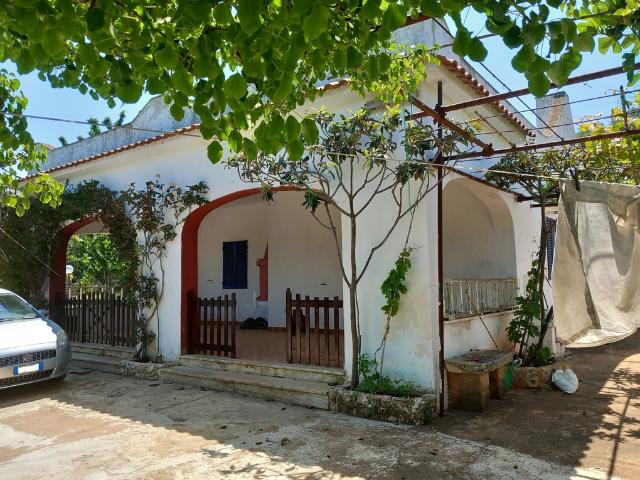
{"x":407,"y":410}
{"x":536,"y":378}
{"x":142,"y":371}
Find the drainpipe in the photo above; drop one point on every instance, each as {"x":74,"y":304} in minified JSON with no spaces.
{"x":440,"y":269}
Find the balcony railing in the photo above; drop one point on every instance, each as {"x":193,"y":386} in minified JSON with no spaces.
{"x":468,"y":297}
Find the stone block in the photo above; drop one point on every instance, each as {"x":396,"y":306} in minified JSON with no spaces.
{"x":468,"y":391}
{"x":408,"y":410}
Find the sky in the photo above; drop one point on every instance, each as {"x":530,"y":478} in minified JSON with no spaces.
{"x":70,"y":104}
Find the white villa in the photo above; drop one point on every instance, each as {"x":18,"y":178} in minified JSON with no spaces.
{"x":239,"y":245}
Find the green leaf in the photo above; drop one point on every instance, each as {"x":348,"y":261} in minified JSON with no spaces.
{"x":354,"y":57}
{"x":395,"y":16}
{"x":295,"y":148}
{"x":166,"y":57}
{"x":604,"y":43}
{"x":476,"y":50}
{"x":431,"y":8}
{"x":316,"y":23}
{"x":222,"y":14}
{"x":512,"y":37}
{"x":370,"y":9}
{"x":250,"y":149}
{"x":310,"y":131}
{"x":560,"y":70}
{"x":520,"y":62}
{"x":214,"y":152}
{"x":177,"y":111}
{"x":235,"y":141}
{"x":249,"y":15}
{"x":556,"y":44}
{"x":129,"y":93}
{"x":207,"y":67}
{"x":461,"y":41}
{"x":584,"y":42}
{"x":235,"y":87}
{"x":291,"y":128}
{"x":95,"y":19}
{"x":283,"y":90}
{"x":25,"y":62}
{"x":539,"y":84}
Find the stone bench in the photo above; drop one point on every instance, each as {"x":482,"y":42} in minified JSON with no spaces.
{"x":474,"y":377}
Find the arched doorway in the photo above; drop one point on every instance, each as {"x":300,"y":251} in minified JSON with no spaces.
{"x":479,"y":260}
{"x":95,"y":309}
{"x":241,"y":246}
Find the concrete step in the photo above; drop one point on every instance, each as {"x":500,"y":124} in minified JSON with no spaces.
{"x":96,"y":362}
{"x":288,"y":390}
{"x":313,"y":373}
{"x":121,"y":353}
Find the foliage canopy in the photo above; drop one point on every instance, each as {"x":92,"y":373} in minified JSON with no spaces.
{"x":246,"y":63}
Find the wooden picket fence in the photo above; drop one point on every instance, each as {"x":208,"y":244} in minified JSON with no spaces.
{"x":99,"y":316}
{"x":316,"y":341}
{"x":212,"y":324}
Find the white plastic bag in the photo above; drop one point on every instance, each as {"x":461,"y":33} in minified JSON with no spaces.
{"x":565,"y":380}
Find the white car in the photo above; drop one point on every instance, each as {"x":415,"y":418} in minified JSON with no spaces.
{"x":32,"y":347}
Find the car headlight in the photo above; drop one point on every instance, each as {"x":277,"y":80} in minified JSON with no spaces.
{"x":62,"y":339}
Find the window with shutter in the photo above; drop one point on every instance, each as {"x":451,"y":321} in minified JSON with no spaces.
{"x":234,"y":266}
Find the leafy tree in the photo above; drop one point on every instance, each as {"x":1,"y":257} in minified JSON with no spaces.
{"x":96,"y":261}
{"x":96,"y":127}
{"x":612,"y":160}
{"x":244,"y":65}
{"x":537,"y":175}
{"x":356,"y":160}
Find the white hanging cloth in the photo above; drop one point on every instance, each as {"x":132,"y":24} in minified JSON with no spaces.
{"x":596,"y":268}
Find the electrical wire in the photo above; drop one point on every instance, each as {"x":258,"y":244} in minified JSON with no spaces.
{"x":577,"y":122}
{"x":84,"y":122}
{"x":506,"y":86}
{"x":582,"y":100}
{"x":29,"y":252}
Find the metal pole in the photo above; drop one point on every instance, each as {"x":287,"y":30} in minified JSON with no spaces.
{"x":440,"y":270}
{"x":538,"y":146}
{"x":525,"y":91}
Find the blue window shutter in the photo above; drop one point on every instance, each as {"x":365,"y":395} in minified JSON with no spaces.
{"x":234,"y":265}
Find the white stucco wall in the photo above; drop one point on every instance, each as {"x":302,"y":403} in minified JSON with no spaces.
{"x":302,"y":253}
{"x":464,"y":334}
{"x":478,"y":234}
{"x":412,"y":349}
{"x":412,"y":345}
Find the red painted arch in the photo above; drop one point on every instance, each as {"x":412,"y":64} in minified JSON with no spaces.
{"x":189,"y":257}
{"x":58,"y":274}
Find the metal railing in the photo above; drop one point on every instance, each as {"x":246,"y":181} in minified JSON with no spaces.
{"x":467,"y":297}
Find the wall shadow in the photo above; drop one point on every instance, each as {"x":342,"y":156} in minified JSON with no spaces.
{"x":597,"y":427}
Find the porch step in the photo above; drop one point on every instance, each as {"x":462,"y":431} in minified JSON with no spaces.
{"x":121,"y":353}
{"x":313,"y":373}
{"x":288,"y":390}
{"x":96,"y":362}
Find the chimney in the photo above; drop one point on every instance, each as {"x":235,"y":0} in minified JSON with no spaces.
{"x":554,"y":111}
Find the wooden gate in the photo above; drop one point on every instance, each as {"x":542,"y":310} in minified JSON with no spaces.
{"x":316,"y":341}
{"x":102,"y":317}
{"x":212,"y":325}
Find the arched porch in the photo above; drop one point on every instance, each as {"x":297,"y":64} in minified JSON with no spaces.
{"x":240,"y":250}
{"x":479,"y":260}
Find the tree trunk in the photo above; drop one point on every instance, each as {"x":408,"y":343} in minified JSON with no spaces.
{"x":353,"y":311}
